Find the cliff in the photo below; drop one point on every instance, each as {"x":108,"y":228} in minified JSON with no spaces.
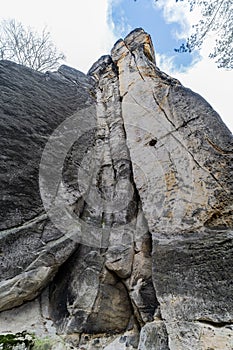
{"x":116,"y":207}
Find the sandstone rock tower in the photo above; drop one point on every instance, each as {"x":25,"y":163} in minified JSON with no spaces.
{"x":116,"y":207}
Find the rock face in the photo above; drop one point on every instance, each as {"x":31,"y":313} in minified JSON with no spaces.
{"x":116,"y":207}
{"x":32,"y":106}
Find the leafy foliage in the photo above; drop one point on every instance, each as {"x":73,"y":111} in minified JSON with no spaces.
{"x":25,"y":46}
{"x":9,"y":341}
{"x":216,"y":19}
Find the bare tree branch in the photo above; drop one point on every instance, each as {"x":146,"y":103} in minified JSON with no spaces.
{"x":216,"y":20}
{"x":25,"y":46}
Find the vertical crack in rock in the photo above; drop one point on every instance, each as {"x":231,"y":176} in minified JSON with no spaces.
{"x":88,"y":299}
{"x":103,"y":298}
{"x":149,"y":186}
{"x":121,"y":255}
{"x":141,"y":122}
{"x":186,"y":195}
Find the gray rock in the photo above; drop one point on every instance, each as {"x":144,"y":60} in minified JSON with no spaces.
{"x":86,"y":298}
{"x":32,"y":249}
{"x":135,"y":234}
{"x":154,"y":337}
{"x":185,"y":152}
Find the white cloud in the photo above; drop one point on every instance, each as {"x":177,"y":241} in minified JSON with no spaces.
{"x":79,"y":28}
{"x":83,"y":30}
{"x":122,"y":26}
{"x":179,"y":12}
{"x":213,"y":84}
{"x":203,"y":77}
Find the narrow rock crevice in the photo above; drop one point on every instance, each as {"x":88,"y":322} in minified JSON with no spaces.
{"x":217,"y":148}
{"x":135,"y":61}
{"x":216,"y":324}
{"x":25,"y":225}
{"x":148,"y":248}
{"x":163,"y":110}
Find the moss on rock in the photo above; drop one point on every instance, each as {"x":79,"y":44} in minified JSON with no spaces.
{"x":17,"y":341}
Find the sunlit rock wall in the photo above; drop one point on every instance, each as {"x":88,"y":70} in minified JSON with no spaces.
{"x":116,"y":207}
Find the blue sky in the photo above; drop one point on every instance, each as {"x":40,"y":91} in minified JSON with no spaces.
{"x":129,"y":14}
{"x":86,"y":29}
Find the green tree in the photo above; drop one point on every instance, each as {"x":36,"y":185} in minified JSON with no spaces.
{"x":25,"y":46}
{"x":217,"y":19}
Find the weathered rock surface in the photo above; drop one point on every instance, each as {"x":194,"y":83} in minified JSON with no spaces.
{"x":186,"y":192}
{"x":130,"y":247}
{"x":32,"y":106}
